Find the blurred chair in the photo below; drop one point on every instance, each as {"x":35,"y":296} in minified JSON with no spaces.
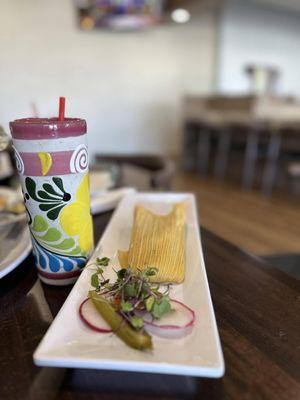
{"x":293,"y":172}
{"x":259,"y":120}
{"x":214,"y":116}
{"x":161,"y":170}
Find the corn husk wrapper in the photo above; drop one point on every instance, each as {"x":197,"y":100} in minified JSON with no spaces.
{"x":157,"y":241}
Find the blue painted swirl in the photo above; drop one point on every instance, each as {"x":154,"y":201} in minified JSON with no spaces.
{"x":47,"y":260}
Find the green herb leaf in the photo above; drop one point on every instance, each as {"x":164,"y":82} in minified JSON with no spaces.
{"x":102,"y":261}
{"x":150,"y":303}
{"x":95,"y":280}
{"x":122,"y":273}
{"x":137,"y":322}
{"x":161,"y":307}
{"x":126,"y":306}
{"x":151,"y":271}
{"x":145,"y":291}
{"x":130,"y":290}
{"x":100,"y":270}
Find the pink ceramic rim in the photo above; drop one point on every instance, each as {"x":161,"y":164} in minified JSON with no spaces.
{"x":57,"y":276}
{"x":47,"y":128}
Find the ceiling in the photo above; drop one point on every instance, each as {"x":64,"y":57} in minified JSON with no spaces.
{"x":193,"y":5}
{"x":291,"y":5}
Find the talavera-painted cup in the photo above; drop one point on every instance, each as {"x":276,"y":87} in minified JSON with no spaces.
{"x":52,"y":161}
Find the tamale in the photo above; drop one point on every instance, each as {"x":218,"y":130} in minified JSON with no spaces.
{"x":157,"y":241}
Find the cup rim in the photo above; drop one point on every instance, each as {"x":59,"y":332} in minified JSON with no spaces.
{"x":46,"y":128}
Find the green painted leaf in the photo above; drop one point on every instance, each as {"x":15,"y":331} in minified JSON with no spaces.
{"x":59,"y":183}
{"x":50,"y":190}
{"x":53,"y":247}
{"x":31,"y":188}
{"x":77,"y":250}
{"x":40,"y":224}
{"x":48,"y":206}
{"x":45,"y":195}
{"x":53,"y":214}
{"x":52,"y":235}
{"x":65,"y":244}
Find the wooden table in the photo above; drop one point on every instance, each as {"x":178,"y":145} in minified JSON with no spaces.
{"x":258,"y":314}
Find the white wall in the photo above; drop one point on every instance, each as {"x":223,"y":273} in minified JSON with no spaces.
{"x":127,"y":85}
{"x":253,"y":33}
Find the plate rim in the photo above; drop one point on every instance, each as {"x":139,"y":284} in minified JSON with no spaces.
{"x":20,"y":258}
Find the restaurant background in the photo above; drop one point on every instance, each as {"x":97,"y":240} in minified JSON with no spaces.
{"x":130,"y":85}
{"x":191,"y":96}
{"x":198,"y":103}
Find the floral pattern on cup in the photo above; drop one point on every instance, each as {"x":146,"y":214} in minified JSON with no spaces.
{"x":76,"y":219}
{"x":52,"y":238}
{"x":73,"y":234}
{"x":56,"y":263}
{"x":52,"y":198}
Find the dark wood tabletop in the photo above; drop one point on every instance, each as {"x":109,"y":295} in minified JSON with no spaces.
{"x":258,"y":315}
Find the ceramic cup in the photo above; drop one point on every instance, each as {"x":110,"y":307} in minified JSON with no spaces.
{"x":52,"y":161}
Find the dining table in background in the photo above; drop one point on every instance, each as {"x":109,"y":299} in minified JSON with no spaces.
{"x":258,"y":314}
{"x":253,"y":117}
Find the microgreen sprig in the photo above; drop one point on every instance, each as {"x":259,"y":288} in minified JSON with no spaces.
{"x":132,"y":294}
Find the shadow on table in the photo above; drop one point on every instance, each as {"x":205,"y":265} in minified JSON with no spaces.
{"x":90,"y":384}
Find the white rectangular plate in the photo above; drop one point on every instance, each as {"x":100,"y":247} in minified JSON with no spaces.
{"x":69,"y":343}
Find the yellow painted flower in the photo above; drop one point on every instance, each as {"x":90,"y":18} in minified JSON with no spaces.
{"x":75,"y":218}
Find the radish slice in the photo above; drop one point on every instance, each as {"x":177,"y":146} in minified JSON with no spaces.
{"x":90,"y":316}
{"x":173,"y":325}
